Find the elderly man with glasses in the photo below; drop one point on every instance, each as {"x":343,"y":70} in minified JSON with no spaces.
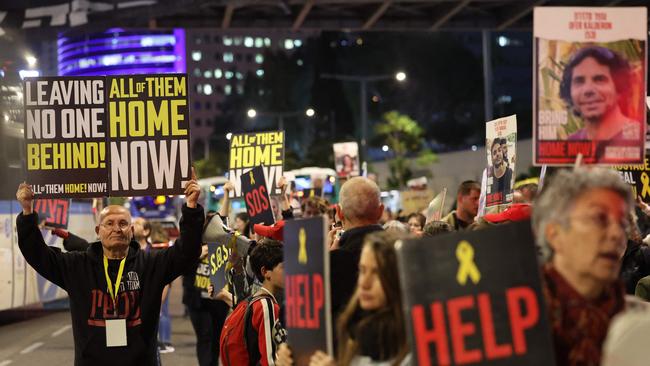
{"x":581,"y":219}
{"x":115,"y":288}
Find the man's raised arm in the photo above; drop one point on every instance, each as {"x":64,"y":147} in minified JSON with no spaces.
{"x":47,"y":261}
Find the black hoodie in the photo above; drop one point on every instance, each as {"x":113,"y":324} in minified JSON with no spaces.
{"x":81,"y":274}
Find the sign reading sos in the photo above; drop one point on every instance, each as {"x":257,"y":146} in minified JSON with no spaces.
{"x":257,"y":201}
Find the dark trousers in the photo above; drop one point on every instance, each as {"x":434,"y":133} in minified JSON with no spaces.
{"x":207,"y":322}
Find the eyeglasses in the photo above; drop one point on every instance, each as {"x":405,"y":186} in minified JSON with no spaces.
{"x":122,"y":225}
{"x":603,"y":220}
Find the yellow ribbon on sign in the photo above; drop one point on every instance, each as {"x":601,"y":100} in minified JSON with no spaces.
{"x":467,"y":267}
{"x":646,"y":184}
{"x":302,"y":250}
{"x":312,"y":193}
{"x":250,"y":174}
{"x":232,"y":245}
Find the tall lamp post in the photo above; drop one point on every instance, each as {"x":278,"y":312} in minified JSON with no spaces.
{"x":252,"y":113}
{"x":363,"y":100}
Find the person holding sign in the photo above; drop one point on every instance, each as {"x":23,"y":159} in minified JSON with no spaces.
{"x":581,"y":217}
{"x":371,"y":329}
{"x":115,"y":288}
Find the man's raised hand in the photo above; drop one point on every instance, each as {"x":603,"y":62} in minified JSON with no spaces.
{"x":25,"y":196}
{"x":192,"y":191}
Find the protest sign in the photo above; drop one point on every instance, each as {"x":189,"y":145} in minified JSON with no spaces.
{"x":589,"y":85}
{"x":477,"y":305}
{"x":415,"y":200}
{"x":96,"y":136}
{"x":56,"y":213}
{"x":250,"y":150}
{"x":202,"y":277}
{"x":500,"y":144}
{"x":307,"y":288}
{"x":346,"y":159}
{"x":638,"y":177}
{"x":312,"y":192}
{"x":65,"y":136}
{"x":436,"y":206}
{"x":256,"y":197}
{"x":148,"y":133}
{"x":218,"y":254}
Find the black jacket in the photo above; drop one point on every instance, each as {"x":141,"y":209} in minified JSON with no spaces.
{"x":344,"y":265}
{"x":81,"y":274}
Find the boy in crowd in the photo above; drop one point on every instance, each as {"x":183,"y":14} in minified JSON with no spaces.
{"x":253,"y":331}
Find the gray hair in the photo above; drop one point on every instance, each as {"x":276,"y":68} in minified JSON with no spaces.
{"x":558,"y":197}
{"x":395,"y":226}
{"x":359,"y":198}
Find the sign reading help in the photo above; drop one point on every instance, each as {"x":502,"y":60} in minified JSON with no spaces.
{"x":480,"y":303}
{"x":256,"y":197}
{"x":307,"y":289}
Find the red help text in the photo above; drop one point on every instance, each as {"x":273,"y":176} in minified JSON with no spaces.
{"x":523,"y":313}
{"x":304,"y":300}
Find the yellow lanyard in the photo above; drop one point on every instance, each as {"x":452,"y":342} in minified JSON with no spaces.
{"x":117,"y":281}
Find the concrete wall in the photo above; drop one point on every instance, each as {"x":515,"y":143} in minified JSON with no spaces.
{"x":455,"y":167}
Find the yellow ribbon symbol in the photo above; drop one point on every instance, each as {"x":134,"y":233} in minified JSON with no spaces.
{"x":312,"y":193}
{"x":302,"y":251}
{"x":646,"y":184}
{"x":467,"y":267}
{"x":250,"y":174}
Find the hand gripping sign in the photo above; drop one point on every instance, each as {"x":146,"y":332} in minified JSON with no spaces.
{"x":480,"y":303}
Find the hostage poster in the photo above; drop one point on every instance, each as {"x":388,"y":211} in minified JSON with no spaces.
{"x":500,"y":143}
{"x":346,"y":159}
{"x":589,"y":85}
{"x":113,"y":136}
{"x":249,"y":150}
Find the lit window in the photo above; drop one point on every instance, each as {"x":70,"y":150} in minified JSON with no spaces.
{"x":297,"y":42}
{"x":260,"y":92}
{"x":240,"y":89}
{"x":228,"y":57}
{"x":197,"y":72}
{"x":207,"y":89}
{"x":218,"y":74}
{"x":227,"y":41}
{"x":259,"y":73}
{"x":207,"y":74}
{"x":239,"y":75}
{"x":259,"y":42}
{"x":288,"y":44}
{"x":237,"y":41}
{"x":267,"y":42}
{"x":199,"y":88}
{"x":259,"y":58}
{"x":503,"y":41}
{"x":196,"y":55}
{"x":227,"y":89}
{"x":229,"y":74}
{"x":299,"y":62}
{"x":249,"y":42}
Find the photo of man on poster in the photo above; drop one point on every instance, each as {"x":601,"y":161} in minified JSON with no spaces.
{"x":500,"y":171}
{"x":594,"y":83}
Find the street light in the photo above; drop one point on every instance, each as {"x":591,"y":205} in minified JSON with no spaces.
{"x":363,"y":81}
{"x":309,"y":112}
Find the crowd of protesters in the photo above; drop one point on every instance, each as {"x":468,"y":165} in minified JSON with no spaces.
{"x":590,"y":234}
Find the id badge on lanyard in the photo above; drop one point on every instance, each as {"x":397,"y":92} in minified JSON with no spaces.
{"x":115,"y":328}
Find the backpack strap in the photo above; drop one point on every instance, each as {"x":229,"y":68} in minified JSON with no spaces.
{"x":248,"y":323}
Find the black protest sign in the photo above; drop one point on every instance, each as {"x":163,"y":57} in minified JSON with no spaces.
{"x":114,"y":136}
{"x":312,"y":192}
{"x":65,"y":136}
{"x":257,"y":149}
{"x":202,"y":277}
{"x":256,"y":196}
{"x":55,"y":212}
{"x":638,"y":177}
{"x":149,"y":134}
{"x":480,"y":303}
{"x":218,"y":254}
{"x":307,"y":288}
